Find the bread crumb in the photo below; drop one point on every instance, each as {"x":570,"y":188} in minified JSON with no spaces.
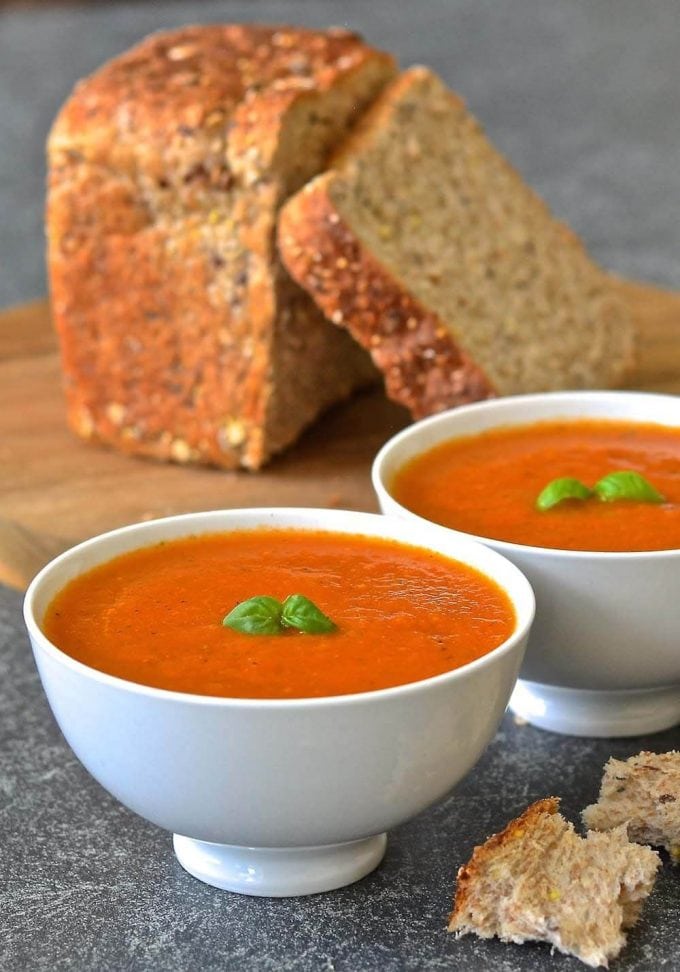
{"x":115,"y":412}
{"x":642,"y":793}
{"x":180,"y":450}
{"x":231,"y":434}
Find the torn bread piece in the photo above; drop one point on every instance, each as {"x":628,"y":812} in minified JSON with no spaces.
{"x":537,"y":880}
{"x":642,"y":792}
{"x":426,"y":244}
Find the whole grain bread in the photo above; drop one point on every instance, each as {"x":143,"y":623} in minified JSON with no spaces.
{"x":642,"y":793}
{"x":182,"y":336}
{"x":432,"y":251}
{"x":537,"y":880}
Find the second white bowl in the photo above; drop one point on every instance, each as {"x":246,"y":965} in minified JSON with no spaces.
{"x":604,"y":653}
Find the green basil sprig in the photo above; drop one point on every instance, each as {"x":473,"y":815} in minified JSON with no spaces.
{"x":621,"y":485}
{"x":262,"y":615}
{"x":562,"y":489}
{"x":303,"y":615}
{"x":257,"y":616}
{"x":626,"y":485}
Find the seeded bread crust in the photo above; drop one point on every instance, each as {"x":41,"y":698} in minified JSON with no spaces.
{"x":523,"y":312}
{"x":182,"y":336}
{"x":537,"y":880}
{"x":423,"y":369}
{"x":643,"y":793}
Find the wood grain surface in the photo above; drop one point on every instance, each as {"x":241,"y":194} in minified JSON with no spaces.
{"x":56,"y":490}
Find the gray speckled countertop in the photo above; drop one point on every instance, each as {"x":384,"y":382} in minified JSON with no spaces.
{"x":86,"y":886}
{"x":582,"y":96}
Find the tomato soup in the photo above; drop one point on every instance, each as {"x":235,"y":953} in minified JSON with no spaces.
{"x":487,"y":484}
{"x":402,"y":614}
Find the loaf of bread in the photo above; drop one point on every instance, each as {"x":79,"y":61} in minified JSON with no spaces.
{"x":537,"y":880}
{"x":430,"y":249}
{"x":182,"y":335}
{"x":642,"y":793}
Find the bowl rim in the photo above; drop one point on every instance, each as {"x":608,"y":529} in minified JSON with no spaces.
{"x":524,"y":602}
{"x":507,"y":547}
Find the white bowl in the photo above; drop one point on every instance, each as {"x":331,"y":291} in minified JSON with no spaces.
{"x":278,"y":797}
{"x":604,"y":653}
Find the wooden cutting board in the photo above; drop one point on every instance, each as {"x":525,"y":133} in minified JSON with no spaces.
{"x":56,"y":490}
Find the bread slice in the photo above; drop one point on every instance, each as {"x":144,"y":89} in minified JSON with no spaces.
{"x":538,"y":880}
{"x":643,"y":793}
{"x":182,"y":336}
{"x":431,"y":250}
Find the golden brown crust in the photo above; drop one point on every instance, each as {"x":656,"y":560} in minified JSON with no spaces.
{"x":179,"y":79}
{"x":516,"y":829}
{"x":166,"y":290}
{"x":423,"y":367}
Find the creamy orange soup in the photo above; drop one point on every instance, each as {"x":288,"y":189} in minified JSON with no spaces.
{"x":154,"y":616}
{"x":487,"y":484}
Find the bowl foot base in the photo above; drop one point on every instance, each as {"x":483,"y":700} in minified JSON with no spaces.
{"x":279,"y":872}
{"x":582,"y":712}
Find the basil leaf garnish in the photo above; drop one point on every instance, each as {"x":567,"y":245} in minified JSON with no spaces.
{"x":626,"y":485}
{"x":562,"y":489}
{"x":259,"y":615}
{"x":303,"y":615}
{"x":264,"y":615}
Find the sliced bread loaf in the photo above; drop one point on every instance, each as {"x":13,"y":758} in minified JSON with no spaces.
{"x":431,"y":250}
{"x":537,"y":880}
{"x":182,"y":336}
{"x":643,"y":793}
